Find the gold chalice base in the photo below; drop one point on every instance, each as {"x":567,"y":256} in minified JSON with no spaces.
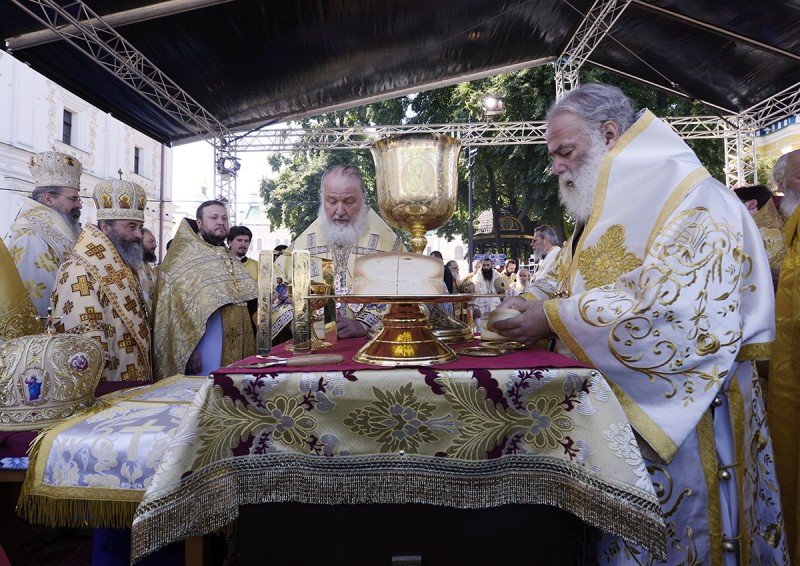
{"x":406,"y":340}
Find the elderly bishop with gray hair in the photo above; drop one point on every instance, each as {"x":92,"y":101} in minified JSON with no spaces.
{"x":46,"y":227}
{"x":346,"y":228}
{"x":665,"y":288}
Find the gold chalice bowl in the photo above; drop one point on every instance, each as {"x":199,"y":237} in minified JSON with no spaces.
{"x":416,"y":177}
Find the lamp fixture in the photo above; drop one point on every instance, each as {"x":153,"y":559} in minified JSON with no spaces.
{"x":228,"y":165}
{"x":492,"y":105}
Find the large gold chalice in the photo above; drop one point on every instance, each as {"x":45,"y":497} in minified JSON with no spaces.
{"x":416,"y":177}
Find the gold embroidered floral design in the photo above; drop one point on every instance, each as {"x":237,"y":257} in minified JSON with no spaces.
{"x":605,"y":261}
{"x":483,"y":424}
{"x":284,"y":417}
{"x":396,"y":420}
{"x":697,"y":258}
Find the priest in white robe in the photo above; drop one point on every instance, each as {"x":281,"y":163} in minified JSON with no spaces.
{"x":666,"y":289}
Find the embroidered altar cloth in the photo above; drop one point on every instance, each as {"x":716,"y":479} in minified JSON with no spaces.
{"x":92,"y":469}
{"x":462,"y":438}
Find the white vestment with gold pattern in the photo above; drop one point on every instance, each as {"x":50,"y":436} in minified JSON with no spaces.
{"x":39,"y":241}
{"x":97,"y":295}
{"x":669,"y":294}
{"x":378,"y":237}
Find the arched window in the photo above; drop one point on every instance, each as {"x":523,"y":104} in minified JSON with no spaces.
{"x":258,"y":245}
{"x":459,"y":252}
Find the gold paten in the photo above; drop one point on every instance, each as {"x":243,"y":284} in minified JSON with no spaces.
{"x":447,"y":328}
{"x":406,"y":340}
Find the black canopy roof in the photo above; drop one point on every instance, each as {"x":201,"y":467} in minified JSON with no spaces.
{"x":250,"y":63}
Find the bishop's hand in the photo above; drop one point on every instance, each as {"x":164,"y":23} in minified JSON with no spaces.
{"x":529,"y":326}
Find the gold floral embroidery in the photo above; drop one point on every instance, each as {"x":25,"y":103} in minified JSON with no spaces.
{"x":396,"y":420}
{"x":696,"y":257}
{"x":605,"y":261}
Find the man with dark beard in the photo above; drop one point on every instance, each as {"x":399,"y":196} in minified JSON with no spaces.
{"x":346,"y":228}
{"x":97,"y":293}
{"x":666,"y":289}
{"x":46,"y":227}
{"x":204,"y":300}
{"x":487,"y":281}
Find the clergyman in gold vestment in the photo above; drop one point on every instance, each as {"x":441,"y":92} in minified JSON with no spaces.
{"x":202,"y":321}
{"x":783,"y":415}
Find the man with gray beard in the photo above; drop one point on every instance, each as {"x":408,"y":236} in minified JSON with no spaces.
{"x":346,"y":228}
{"x":97,"y":291}
{"x":44,"y":231}
{"x":784,"y":385}
{"x":666,"y":289}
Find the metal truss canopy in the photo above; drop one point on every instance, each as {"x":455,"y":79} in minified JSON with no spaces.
{"x":471,"y":134}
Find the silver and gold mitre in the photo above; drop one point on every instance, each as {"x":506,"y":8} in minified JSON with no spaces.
{"x":55,"y":169}
{"x":45,"y":378}
{"x":119,"y":200}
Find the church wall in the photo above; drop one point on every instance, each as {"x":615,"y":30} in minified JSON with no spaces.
{"x":31,"y":120}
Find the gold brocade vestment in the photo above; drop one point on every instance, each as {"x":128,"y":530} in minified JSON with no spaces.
{"x":784,"y":385}
{"x":194,"y":281}
{"x":97,"y":295}
{"x":39,"y":241}
{"x":18,"y":317}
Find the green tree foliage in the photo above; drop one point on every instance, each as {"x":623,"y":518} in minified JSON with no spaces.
{"x":509,"y":180}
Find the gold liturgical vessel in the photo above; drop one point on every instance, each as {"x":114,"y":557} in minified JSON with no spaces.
{"x":416,"y":178}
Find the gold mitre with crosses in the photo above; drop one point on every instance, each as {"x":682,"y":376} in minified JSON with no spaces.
{"x":45,"y":378}
{"x":119,"y":200}
{"x":55,"y":169}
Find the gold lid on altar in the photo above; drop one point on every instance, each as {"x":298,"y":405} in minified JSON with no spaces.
{"x":119,"y":200}
{"x":55,"y":169}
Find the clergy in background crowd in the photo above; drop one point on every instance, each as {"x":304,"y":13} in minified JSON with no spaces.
{"x":346,"y":228}
{"x":758,"y":201}
{"x":545,"y":249}
{"x":204,"y":300}
{"x":671,"y":297}
{"x":239,"y":240}
{"x":147,"y":273}
{"x":97,"y":293}
{"x":46,"y":227}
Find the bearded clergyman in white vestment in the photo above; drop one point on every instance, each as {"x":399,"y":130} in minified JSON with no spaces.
{"x":666,"y":289}
{"x":47,"y":225}
{"x":346,"y":228}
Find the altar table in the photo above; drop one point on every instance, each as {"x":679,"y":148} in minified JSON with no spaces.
{"x":526,"y":428}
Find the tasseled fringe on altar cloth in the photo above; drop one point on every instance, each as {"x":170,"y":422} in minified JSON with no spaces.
{"x":209,"y":498}
{"x":70,"y":508}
